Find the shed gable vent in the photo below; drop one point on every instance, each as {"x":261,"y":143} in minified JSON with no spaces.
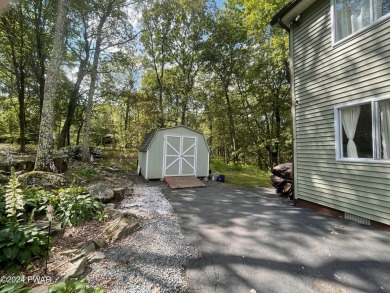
{"x":357,"y":219}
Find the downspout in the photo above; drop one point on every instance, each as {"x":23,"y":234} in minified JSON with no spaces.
{"x":293,"y":109}
{"x":281,"y":23}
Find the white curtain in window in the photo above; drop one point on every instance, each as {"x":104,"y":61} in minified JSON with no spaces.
{"x":385,"y":128}
{"x":357,"y":20}
{"x":343,"y":16}
{"x":350,"y":117}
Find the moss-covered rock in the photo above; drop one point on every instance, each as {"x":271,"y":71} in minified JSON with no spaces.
{"x":44,"y":179}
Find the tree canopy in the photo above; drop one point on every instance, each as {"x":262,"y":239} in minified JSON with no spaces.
{"x":132,"y":66}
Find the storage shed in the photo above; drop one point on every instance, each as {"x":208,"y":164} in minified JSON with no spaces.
{"x":173,"y":151}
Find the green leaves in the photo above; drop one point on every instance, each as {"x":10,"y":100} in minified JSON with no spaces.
{"x":74,"y":286}
{"x":18,"y":244}
{"x":75,"y":206}
{"x":13,"y":288}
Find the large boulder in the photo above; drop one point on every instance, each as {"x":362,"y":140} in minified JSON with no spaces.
{"x":45,"y":179}
{"x":26,"y":164}
{"x":101,"y":192}
{"x":122,"y":226}
{"x":75,"y":152}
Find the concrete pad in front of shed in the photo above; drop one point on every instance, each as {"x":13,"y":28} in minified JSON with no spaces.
{"x":177,"y":182}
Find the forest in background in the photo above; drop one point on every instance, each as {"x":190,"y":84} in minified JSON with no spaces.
{"x":133,"y":66}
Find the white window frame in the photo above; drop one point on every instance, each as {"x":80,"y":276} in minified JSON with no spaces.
{"x":376,"y":137}
{"x":362,"y":30}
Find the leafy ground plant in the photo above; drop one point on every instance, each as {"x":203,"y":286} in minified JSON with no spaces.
{"x":14,"y":288}
{"x":74,"y":286}
{"x":74,"y":205}
{"x":18,"y":243}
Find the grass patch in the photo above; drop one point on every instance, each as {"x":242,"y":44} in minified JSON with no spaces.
{"x":241,"y":174}
{"x":125,"y":160}
{"x":89,"y":174}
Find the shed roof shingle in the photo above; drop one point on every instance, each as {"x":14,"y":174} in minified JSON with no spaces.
{"x":147,"y":141}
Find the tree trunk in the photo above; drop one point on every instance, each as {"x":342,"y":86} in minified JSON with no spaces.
{"x":79,"y":133}
{"x":91,"y":93}
{"x":41,"y":70}
{"x":46,"y":140}
{"x":232,"y":130}
{"x":74,"y":95}
{"x":22,"y":112}
{"x":64,"y":138}
{"x":127,"y":115}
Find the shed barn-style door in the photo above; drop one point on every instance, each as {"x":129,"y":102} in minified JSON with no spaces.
{"x":179,"y":155}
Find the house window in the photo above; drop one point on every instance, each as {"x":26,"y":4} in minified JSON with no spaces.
{"x":351,"y":16}
{"x":363,"y":130}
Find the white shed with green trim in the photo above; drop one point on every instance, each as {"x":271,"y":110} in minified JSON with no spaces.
{"x":173,"y":151}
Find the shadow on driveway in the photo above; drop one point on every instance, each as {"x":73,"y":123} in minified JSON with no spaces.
{"x":241,"y":239}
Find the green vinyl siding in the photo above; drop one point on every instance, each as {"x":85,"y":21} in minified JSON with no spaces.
{"x":326,"y":76}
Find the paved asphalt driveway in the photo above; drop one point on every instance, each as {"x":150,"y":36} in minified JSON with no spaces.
{"x":243,"y":239}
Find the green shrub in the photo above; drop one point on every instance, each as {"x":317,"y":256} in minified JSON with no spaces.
{"x":74,"y":286}
{"x":13,"y":288}
{"x":18,"y":244}
{"x":3,"y":216}
{"x":74,"y":205}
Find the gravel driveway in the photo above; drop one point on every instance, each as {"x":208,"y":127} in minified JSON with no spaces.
{"x":152,"y":259}
{"x":249,"y":240}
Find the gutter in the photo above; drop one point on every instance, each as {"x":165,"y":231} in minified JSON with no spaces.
{"x":288,"y":14}
{"x":277,"y":18}
{"x":281,"y":23}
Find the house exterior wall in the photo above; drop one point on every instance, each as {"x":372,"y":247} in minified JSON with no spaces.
{"x":326,"y":76}
{"x":155,"y":153}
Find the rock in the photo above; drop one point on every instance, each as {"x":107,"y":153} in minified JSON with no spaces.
{"x":122,"y":226}
{"x":96,"y":152}
{"x":110,"y":209}
{"x":88,"y":249}
{"x":75,"y":153}
{"x":68,"y":252}
{"x":101,"y":192}
{"x":19,"y":164}
{"x":41,"y":178}
{"x":44,"y":225}
{"x":96,"y":256}
{"x":40,"y":289}
{"x":129,"y":189}
{"x":100,"y":243}
{"x":76,"y":268}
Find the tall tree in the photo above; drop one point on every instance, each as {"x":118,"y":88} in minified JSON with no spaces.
{"x":224,"y":53}
{"x":192,"y":20}
{"x":157,"y":22}
{"x":46,"y":130}
{"x":112,"y":31}
{"x":17,"y":55}
{"x":268,"y":74}
{"x":80,"y":47}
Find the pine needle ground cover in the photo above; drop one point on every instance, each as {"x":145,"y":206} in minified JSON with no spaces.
{"x":241,"y":174}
